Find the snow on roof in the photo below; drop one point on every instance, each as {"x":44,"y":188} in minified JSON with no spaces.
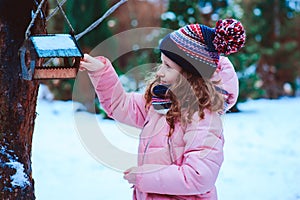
{"x":55,"y":45}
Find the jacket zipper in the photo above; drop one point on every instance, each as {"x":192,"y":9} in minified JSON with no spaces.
{"x":171,"y":150}
{"x":169,"y":146}
{"x":146,"y":147}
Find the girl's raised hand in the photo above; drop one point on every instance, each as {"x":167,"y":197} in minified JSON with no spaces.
{"x":90,"y":63}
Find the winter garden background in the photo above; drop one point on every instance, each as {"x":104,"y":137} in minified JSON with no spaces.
{"x":261,"y":133}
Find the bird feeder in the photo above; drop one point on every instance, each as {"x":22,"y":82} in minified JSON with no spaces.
{"x":54,"y":56}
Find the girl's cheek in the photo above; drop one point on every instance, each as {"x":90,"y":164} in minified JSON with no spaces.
{"x":175,"y":78}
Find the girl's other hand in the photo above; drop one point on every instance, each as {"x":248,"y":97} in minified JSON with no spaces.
{"x":90,"y":63}
{"x":130,"y":175}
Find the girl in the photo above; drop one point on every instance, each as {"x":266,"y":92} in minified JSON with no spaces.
{"x":181,"y":142}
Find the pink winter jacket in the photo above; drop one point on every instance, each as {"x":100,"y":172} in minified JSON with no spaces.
{"x":184,"y":166}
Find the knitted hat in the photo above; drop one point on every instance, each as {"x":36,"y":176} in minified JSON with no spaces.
{"x":197,"y":48}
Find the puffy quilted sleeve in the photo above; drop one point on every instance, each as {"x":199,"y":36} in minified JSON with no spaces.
{"x":202,"y":159}
{"x":227,"y":80}
{"x":128,"y":108}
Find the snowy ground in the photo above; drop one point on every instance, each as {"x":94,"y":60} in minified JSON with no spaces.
{"x":262,"y":154}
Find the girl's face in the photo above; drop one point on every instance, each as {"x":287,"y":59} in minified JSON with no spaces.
{"x":168,"y":72}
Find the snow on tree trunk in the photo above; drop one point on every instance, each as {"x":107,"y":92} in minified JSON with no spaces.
{"x":17,"y":102}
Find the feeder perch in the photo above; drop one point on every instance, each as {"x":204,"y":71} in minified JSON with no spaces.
{"x":40,"y":48}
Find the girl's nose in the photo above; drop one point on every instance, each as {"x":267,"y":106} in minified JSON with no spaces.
{"x":160,"y":72}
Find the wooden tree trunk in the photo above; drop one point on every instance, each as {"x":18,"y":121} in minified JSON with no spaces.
{"x":17,"y":102}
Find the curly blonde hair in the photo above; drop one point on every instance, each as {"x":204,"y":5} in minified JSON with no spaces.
{"x":190,"y":94}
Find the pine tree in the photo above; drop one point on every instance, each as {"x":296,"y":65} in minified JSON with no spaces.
{"x":181,"y":13}
{"x":272,"y":44}
{"x":83,"y":13}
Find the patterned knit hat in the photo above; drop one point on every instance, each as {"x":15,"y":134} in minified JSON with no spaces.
{"x":197,"y":48}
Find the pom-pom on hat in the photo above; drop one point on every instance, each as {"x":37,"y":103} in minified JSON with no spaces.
{"x":197,"y":48}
